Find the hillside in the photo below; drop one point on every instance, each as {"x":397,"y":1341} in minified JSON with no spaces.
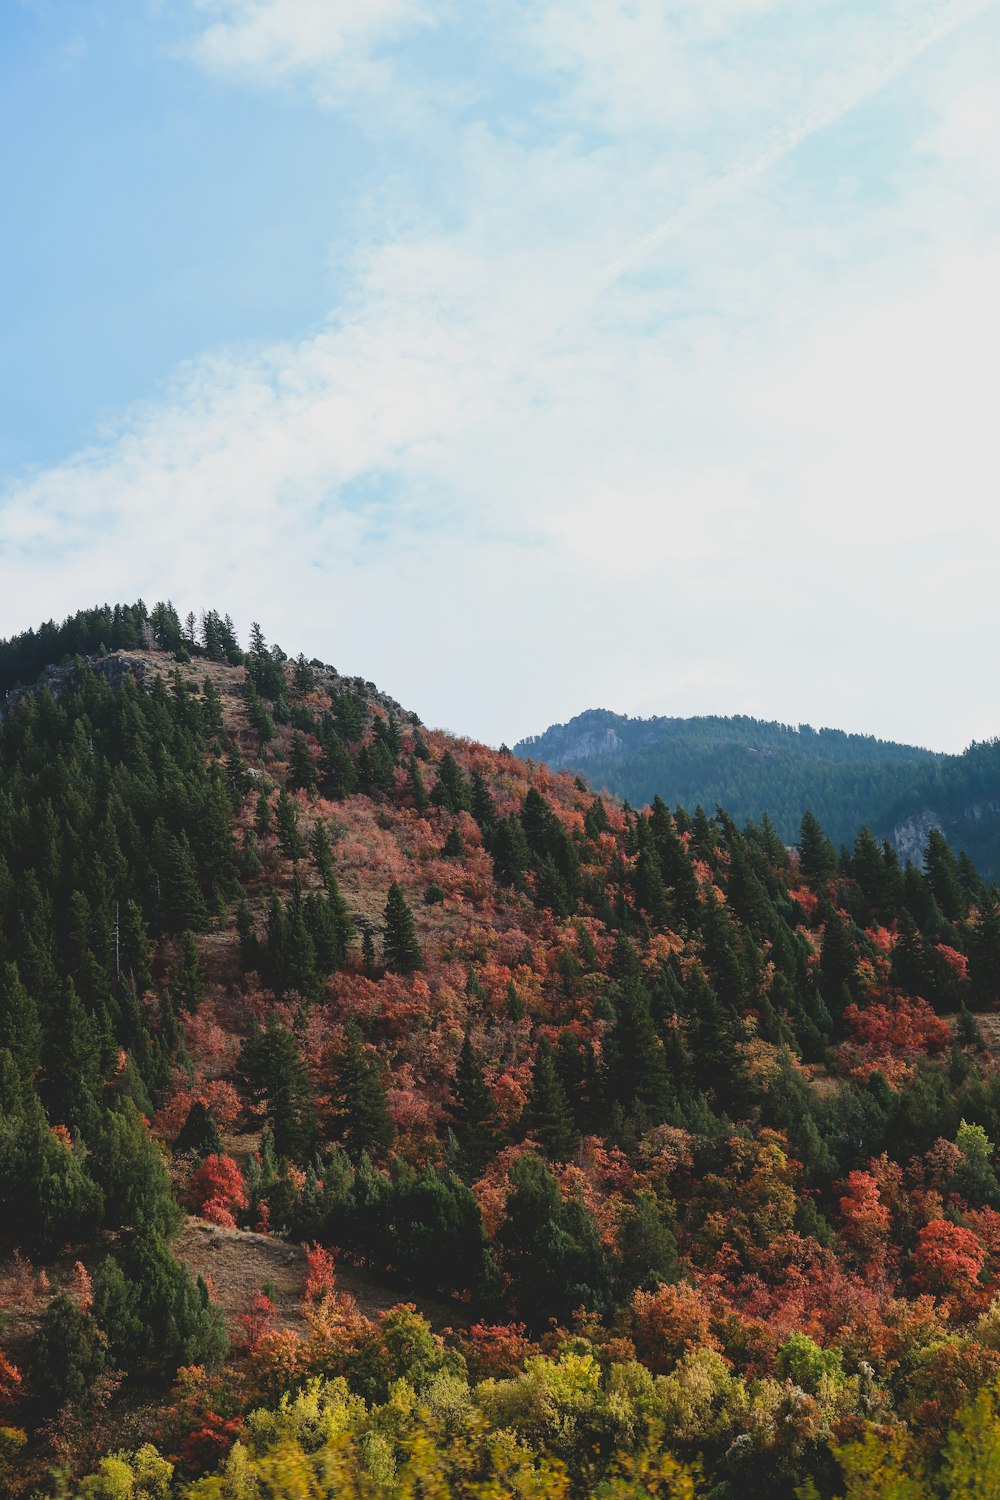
{"x":680,"y":1145}
{"x":750,"y":767}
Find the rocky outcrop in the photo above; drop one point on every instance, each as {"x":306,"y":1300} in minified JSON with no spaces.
{"x":909,"y":838}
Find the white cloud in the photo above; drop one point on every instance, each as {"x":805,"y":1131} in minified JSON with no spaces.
{"x":335,"y":44}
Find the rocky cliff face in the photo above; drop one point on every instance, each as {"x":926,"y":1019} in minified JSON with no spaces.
{"x":909,"y":838}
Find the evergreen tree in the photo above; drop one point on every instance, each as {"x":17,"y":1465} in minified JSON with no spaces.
{"x":716,"y":1060}
{"x":549,"y":1249}
{"x":290,"y":840}
{"x":511,"y":856}
{"x":199,"y":1135}
{"x":301,"y":771}
{"x":322,"y":854}
{"x":636,"y":1074}
{"x":274,"y":1077}
{"x":548,"y":1115}
{"x":817,"y":858}
{"x":358,"y":1101}
{"x":942,"y":875}
{"x":187,"y":987}
{"x":451,"y":790}
{"x":399,"y":935}
{"x":418,"y":791}
{"x":67,"y":1356}
{"x":473,"y":1115}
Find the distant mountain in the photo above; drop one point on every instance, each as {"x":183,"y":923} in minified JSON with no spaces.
{"x":751,"y":766}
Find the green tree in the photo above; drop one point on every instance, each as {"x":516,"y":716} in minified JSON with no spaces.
{"x":275,"y":1079}
{"x":548,"y":1115}
{"x":359,"y":1110}
{"x":399,"y":934}
{"x":473,"y":1115}
{"x":67,"y":1356}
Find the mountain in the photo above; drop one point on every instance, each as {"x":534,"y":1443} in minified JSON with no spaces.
{"x":384,"y":1114}
{"x":749,"y":767}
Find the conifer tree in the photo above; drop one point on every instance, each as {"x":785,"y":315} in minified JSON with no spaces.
{"x":473,"y":1115}
{"x":817,"y":858}
{"x":636,"y":1074}
{"x":187,"y":987}
{"x":451,"y":790}
{"x":418,"y":791}
{"x":290,"y":840}
{"x":301,"y":771}
{"x":322,"y":853}
{"x":548,"y":1115}
{"x":274,"y":1077}
{"x":716,"y":1060}
{"x":399,"y":934}
{"x":511,"y":856}
{"x":359,"y":1105}
{"x":454,"y":846}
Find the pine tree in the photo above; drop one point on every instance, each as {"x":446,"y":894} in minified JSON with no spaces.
{"x":451,"y":790}
{"x":548,"y":1115}
{"x":942,"y":874}
{"x":359,"y":1104}
{"x":636,"y":1074}
{"x":322,"y":853}
{"x":67,"y":1356}
{"x":187,"y":987}
{"x":399,"y":934}
{"x":274,"y":1077}
{"x":817,"y":858}
{"x":473,"y":1115}
{"x":418,"y":791}
{"x":290,"y":840}
{"x":716,"y":1060}
{"x":454,"y":846}
{"x":301,"y":771}
{"x":511,"y":856}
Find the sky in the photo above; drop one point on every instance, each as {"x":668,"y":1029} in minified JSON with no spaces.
{"x":522,"y":356}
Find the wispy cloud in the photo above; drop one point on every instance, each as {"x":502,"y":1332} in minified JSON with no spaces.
{"x":339,"y":47}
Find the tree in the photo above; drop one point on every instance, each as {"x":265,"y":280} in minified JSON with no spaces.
{"x":290,"y":840}
{"x":716,"y":1059}
{"x":817,"y":856}
{"x":399,"y":934}
{"x":451,"y":790}
{"x":359,"y":1113}
{"x":275,"y":1079}
{"x":636,"y":1075}
{"x":548,"y":1115}
{"x":947,"y":1257}
{"x":549,"y":1249}
{"x":217,"y":1191}
{"x":67,"y":1356}
{"x":199,"y":1135}
{"x":647,"y":1249}
{"x":127,"y":1164}
{"x":301,"y":771}
{"x":473,"y":1115}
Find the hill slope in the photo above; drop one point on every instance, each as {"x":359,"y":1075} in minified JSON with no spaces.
{"x":685,"y":1142}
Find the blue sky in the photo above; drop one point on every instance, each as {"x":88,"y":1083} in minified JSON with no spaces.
{"x":522,"y":357}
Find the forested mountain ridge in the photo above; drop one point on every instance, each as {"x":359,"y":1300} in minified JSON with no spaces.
{"x":751,"y":766}
{"x":689,"y":1139}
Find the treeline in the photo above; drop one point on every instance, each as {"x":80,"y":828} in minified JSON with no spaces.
{"x":119,"y":627}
